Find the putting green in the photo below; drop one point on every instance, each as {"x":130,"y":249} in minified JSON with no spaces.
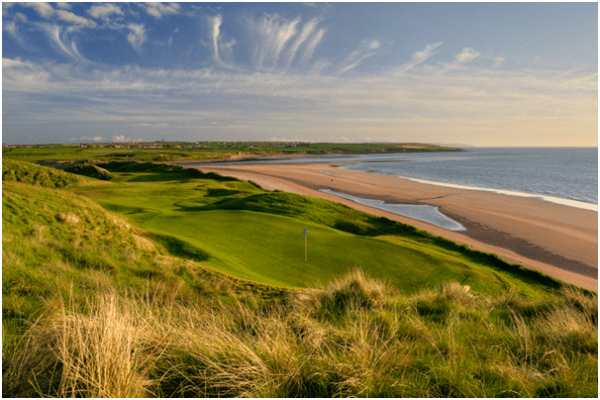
{"x":270,"y":249}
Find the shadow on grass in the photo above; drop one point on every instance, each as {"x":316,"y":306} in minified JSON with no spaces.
{"x":217,"y":192}
{"x":163,"y":172}
{"x":178,"y":247}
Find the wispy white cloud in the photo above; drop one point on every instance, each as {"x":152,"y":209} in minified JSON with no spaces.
{"x":277,"y":42}
{"x":365,"y":50}
{"x":420,"y":56}
{"x":104,"y":11}
{"x":12,"y":28}
{"x":66,"y":46}
{"x":215,"y":35}
{"x":158,"y":10}
{"x":311,"y":46}
{"x":137,"y":36}
{"x":307,"y":30}
{"x":497,"y":61}
{"x":43,"y":9}
{"x":5,"y":7}
{"x":170,"y":41}
{"x":20,"y":17}
{"x":468,"y":54}
{"x":64,"y":5}
{"x":270,"y":35}
{"x":68,"y":16}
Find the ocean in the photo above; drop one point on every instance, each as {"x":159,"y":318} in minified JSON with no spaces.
{"x":566,"y":176}
{"x":563,"y":175}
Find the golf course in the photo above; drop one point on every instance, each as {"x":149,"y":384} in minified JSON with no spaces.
{"x":139,"y":279}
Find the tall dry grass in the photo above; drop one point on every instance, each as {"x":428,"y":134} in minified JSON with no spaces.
{"x":353,"y":337}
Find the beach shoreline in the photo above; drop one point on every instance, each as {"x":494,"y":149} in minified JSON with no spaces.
{"x":558,"y":240}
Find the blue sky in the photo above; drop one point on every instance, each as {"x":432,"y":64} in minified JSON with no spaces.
{"x":482,"y":74}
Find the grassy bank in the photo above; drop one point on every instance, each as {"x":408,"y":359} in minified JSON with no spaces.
{"x":185,"y":284}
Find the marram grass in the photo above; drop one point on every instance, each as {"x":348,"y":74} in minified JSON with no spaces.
{"x":352,"y":337}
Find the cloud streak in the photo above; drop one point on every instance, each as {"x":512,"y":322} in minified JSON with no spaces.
{"x":365,"y":50}
{"x":137,"y":36}
{"x":468,"y":54}
{"x":215,"y":32}
{"x":104,"y":11}
{"x":43,"y":9}
{"x":277,"y":42}
{"x":159,"y":10}
{"x":68,"y":16}
{"x":67,"y":46}
{"x":419,"y":57}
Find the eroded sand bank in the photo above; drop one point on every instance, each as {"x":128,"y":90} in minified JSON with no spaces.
{"x":558,"y":240}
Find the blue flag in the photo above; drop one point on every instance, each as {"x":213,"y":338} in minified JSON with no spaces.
{"x":304,"y":232}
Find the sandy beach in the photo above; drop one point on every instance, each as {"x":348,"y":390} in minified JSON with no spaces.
{"x":558,"y":240}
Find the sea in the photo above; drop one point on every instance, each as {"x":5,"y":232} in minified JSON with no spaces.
{"x":563,"y":175}
{"x":566,"y":176}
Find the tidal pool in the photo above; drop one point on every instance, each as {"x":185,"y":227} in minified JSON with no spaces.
{"x":424,"y":213}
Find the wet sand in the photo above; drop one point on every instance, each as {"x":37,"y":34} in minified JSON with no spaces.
{"x":558,"y":240}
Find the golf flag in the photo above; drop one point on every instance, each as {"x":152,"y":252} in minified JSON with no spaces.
{"x":305,"y":246}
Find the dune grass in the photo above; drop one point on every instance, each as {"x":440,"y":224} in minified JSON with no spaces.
{"x":18,"y":171}
{"x":100,"y":305}
{"x":352,"y":337}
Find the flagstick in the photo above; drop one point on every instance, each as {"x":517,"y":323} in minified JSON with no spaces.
{"x":305,"y":248}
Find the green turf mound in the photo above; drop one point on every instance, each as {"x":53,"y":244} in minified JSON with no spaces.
{"x":24,"y":172}
{"x":178,"y":247}
{"x":320,"y":211}
{"x":90,"y":170}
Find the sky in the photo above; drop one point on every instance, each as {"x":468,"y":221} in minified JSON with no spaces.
{"x":476,"y":74}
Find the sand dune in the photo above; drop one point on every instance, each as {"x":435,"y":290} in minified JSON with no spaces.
{"x":558,"y":240}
